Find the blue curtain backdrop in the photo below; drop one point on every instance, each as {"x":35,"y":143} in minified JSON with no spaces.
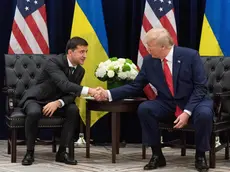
{"x":123,"y":23}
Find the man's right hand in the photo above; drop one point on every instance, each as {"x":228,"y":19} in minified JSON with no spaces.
{"x":92,"y":92}
{"x":101,"y":95}
{"x":98,"y":93}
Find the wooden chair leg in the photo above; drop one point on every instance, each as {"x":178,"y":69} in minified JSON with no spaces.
{"x":183,"y":142}
{"x":212,"y":152}
{"x":227,"y":147}
{"x":54,"y":144}
{"x":13,"y":145}
{"x":143,"y":151}
{"x":8,"y":146}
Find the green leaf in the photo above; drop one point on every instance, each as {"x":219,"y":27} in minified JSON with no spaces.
{"x":125,"y":68}
{"x":128,"y":61}
{"x":113,"y":59}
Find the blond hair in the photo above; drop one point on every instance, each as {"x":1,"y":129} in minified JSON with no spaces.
{"x":160,"y":35}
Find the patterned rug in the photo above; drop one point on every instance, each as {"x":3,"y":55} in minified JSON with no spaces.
{"x":129,"y":160}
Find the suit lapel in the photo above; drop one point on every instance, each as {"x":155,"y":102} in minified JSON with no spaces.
{"x":160,"y":72}
{"x":176,"y":67}
{"x":76,"y":73}
{"x":66,"y":66}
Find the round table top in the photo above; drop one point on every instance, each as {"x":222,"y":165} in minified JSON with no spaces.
{"x":124,"y":105}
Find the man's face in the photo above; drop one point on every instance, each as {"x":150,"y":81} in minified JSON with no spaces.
{"x":154,"y":49}
{"x":78,"y":56}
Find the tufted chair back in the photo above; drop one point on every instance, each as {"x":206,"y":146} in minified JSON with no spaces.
{"x":22,"y":72}
{"x":218,"y":74}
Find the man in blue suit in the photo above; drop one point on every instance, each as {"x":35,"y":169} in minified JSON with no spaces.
{"x":179,"y":77}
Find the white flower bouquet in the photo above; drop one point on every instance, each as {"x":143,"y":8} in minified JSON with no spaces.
{"x":116,"y":69}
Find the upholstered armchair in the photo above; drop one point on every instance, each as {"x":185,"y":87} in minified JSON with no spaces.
{"x":21,"y":73}
{"x":218,"y":74}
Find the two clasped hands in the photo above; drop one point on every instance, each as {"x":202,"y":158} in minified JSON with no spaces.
{"x":99,"y":93}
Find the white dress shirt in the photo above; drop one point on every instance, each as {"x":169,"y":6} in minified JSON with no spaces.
{"x":169,"y":58}
{"x":84,"y":90}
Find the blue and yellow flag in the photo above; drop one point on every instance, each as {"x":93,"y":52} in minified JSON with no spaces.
{"x":88,"y":23}
{"x":216,"y":29}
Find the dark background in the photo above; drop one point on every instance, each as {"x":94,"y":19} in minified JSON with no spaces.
{"x":123,"y":23}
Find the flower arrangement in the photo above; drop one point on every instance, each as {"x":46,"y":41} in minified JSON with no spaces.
{"x":116,"y":69}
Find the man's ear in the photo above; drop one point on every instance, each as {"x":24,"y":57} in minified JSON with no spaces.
{"x":69,"y":51}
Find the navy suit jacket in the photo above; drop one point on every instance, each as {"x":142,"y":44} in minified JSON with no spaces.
{"x":189,"y":81}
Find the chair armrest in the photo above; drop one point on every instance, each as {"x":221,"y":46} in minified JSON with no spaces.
{"x":218,"y":101}
{"x":222,"y":94}
{"x":10,"y":92}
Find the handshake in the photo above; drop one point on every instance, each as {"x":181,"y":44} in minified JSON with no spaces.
{"x":99,"y":94}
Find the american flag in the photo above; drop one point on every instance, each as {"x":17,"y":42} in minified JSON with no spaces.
{"x":157,"y":14}
{"x":29,"y":31}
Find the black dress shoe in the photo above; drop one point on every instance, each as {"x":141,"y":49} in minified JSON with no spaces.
{"x":155,"y":162}
{"x":201,"y":164}
{"x":63,"y":157}
{"x":28,"y":158}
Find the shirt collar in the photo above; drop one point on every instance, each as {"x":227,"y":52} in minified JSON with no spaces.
{"x":169,"y":57}
{"x":70,"y":64}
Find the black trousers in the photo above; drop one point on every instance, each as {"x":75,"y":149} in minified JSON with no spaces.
{"x":33,"y":111}
{"x":152,"y":112}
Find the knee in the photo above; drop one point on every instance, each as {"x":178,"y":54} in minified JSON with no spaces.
{"x":33,"y":115}
{"x":143,"y":109}
{"x":205,"y":114}
{"x":72,"y":110}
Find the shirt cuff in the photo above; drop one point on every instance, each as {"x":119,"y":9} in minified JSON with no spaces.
{"x":109,"y":96}
{"x":85,"y":91}
{"x":188,"y":112}
{"x":62,"y":103}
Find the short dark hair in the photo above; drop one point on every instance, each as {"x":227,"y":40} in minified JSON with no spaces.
{"x":74,"y":42}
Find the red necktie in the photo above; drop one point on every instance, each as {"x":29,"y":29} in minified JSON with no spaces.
{"x":169,"y":81}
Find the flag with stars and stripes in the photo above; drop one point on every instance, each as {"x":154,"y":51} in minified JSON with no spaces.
{"x":157,"y":13}
{"x":29,"y":31}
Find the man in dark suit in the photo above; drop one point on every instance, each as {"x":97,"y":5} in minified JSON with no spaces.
{"x":178,"y":75}
{"x":54,"y":93}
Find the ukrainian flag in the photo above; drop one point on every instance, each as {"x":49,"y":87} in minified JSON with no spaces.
{"x":215,"y":34}
{"x":88,"y":23}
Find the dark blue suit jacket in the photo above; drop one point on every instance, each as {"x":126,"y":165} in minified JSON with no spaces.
{"x":189,"y":81}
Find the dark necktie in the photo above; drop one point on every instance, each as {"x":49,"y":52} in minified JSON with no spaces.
{"x":71,"y":71}
{"x":169,"y":81}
